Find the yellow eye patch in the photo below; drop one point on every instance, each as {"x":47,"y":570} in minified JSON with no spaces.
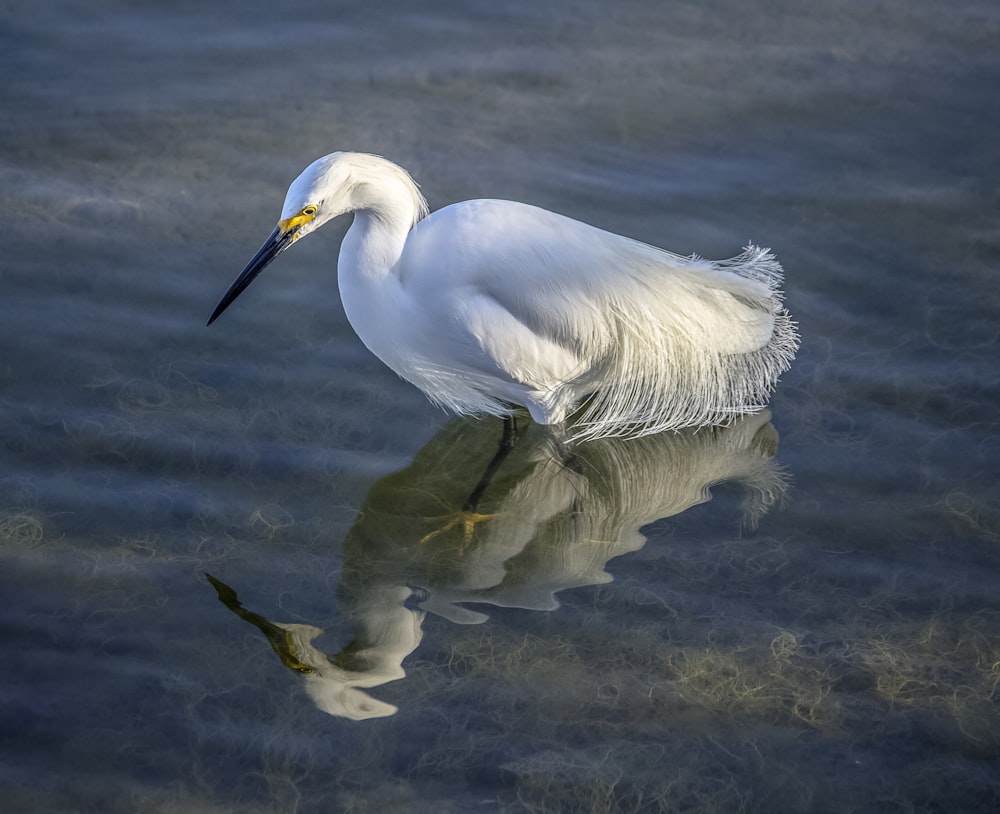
{"x":297,"y":221}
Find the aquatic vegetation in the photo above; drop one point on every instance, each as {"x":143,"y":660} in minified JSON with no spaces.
{"x":21,"y":529}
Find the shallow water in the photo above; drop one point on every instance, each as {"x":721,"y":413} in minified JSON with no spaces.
{"x":822,"y":635}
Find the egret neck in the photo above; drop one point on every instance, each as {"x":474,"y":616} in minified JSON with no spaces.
{"x":368,"y":266}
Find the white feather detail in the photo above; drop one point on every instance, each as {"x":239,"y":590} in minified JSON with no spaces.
{"x":562,"y":310}
{"x":711,"y":350}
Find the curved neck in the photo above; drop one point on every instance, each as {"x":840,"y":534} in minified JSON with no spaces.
{"x":383,"y":216}
{"x":372,"y":246}
{"x":367,"y":273}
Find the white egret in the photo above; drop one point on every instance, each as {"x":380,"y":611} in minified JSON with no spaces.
{"x":487,"y":304}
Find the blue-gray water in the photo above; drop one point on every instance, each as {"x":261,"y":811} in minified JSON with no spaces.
{"x":823,"y":635}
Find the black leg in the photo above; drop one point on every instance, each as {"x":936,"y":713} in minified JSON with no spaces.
{"x":507,"y":442}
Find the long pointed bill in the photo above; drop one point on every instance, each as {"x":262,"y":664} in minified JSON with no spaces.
{"x":279,"y":240}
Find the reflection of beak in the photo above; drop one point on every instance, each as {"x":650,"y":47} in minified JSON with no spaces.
{"x":283,"y":236}
{"x":281,"y":640}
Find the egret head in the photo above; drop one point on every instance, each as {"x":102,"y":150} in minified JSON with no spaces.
{"x":333,"y":185}
{"x":307,"y":207}
{"x":320,"y":193}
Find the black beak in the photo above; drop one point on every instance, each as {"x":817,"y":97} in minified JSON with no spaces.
{"x":273,"y":246}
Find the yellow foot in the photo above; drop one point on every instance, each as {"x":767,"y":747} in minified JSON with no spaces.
{"x":467,"y":520}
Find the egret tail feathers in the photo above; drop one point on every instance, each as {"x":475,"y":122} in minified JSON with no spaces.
{"x":711,"y":350}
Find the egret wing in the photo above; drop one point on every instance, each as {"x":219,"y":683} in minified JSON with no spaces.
{"x":550,"y":301}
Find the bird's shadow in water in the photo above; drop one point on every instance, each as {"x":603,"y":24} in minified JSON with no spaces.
{"x":544,"y":522}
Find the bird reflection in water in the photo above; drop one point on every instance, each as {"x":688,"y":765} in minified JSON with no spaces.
{"x":544,"y":522}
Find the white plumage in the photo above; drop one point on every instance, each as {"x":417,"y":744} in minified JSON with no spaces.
{"x":486,"y":304}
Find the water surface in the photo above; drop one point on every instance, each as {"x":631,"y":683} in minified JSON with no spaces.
{"x":823,"y":634}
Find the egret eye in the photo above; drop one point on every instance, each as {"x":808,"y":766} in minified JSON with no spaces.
{"x":309,"y":210}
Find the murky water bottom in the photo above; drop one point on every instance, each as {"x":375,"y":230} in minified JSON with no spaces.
{"x":235,"y":571}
